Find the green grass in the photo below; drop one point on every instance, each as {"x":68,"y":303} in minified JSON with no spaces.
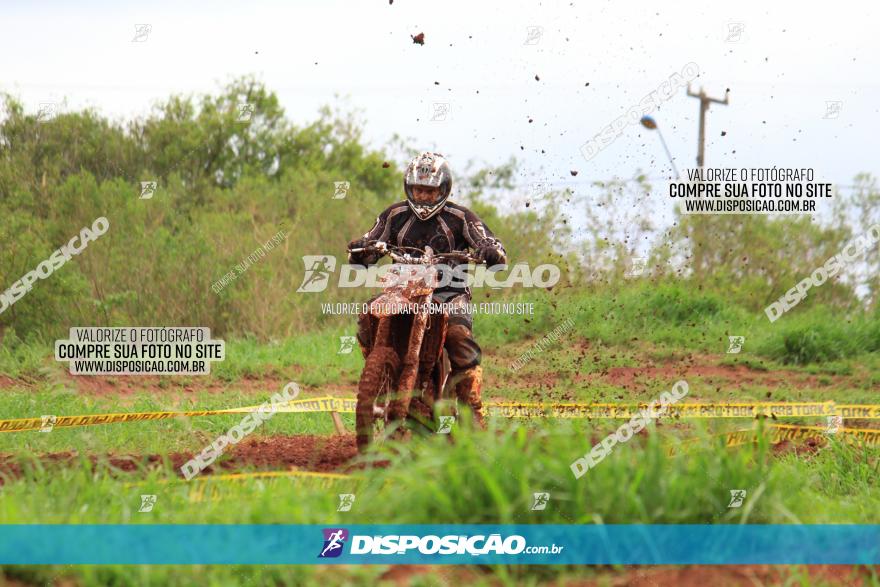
{"x":480,"y":478}
{"x":674,"y":318}
{"x":821,"y":337}
{"x":667,"y":318}
{"x":486,"y":477}
{"x":195,"y":575}
{"x":187,"y":434}
{"x":22,"y":358}
{"x":148,"y":437}
{"x":368,"y":576}
{"x":314,"y":356}
{"x":489,"y":477}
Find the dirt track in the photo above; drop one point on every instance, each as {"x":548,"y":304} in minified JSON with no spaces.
{"x":710,"y":369}
{"x":706,"y":367}
{"x":335,"y":453}
{"x":276,"y":453}
{"x":700,"y":576}
{"x":272,"y":453}
{"x":657,"y":576}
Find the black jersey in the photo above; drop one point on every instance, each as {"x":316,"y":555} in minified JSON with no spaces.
{"x":454,"y":228}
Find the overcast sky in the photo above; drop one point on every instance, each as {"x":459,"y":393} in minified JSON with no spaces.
{"x":782,"y":61}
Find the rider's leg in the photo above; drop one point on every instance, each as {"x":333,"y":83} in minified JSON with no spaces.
{"x":364,"y":334}
{"x":364,"y":330}
{"x":465,"y":355}
{"x":466,"y":385}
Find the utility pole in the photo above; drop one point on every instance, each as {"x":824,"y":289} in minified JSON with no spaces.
{"x":704,"y":106}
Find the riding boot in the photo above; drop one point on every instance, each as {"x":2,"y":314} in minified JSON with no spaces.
{"x":467,"y":385}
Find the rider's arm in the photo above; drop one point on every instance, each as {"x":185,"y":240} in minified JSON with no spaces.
{"x":481,"y":239}
{"x":380,"y":231}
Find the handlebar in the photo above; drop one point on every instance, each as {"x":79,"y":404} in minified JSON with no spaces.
{"x":400,"y":254}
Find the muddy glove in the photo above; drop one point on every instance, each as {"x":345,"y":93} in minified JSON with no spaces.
{"x":361,"y":257}
{"x":490,"y":252}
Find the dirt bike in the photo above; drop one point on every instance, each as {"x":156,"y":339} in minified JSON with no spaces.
{"x":402,"y":386}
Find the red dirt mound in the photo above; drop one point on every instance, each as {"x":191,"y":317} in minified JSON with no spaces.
{"x":652,"y":576}
{"x":700,"y":576}
{"x":728,"y":375}
{"x":305,"y":452}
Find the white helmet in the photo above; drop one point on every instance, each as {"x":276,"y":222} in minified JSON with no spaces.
{"x":432,"y":170}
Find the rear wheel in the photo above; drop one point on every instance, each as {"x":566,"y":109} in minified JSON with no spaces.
{"x":376,"y":385}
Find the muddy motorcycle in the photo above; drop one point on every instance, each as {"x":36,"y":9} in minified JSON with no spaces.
{"x":402,"y":386}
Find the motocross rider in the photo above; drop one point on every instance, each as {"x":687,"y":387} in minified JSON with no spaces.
{"x":428,"y":219}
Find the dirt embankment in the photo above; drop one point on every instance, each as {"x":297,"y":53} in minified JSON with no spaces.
{"x":275,"y":453}
{"x":656,"y":576}
{"x":731,"y":376}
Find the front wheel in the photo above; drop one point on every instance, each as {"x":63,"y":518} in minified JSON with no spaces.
{"x":377,"y":381}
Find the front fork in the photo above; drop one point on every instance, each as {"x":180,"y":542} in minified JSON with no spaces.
{"x":365,"y":411}
{"x":399,"y":406}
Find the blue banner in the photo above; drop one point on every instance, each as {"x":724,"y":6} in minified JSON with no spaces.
{"x":440,"y":544}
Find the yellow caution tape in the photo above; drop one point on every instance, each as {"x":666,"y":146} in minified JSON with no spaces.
{"x":783,"y":432}
{"x":321,"y":404}
{"x":253,"y":475}
{"x":686,"y":410}
{"x":262,"y":474}
{"x":852,"y":411}
{"x":197,"y":492}
{"x":23,"y":424}
{"x":502,"y":409}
